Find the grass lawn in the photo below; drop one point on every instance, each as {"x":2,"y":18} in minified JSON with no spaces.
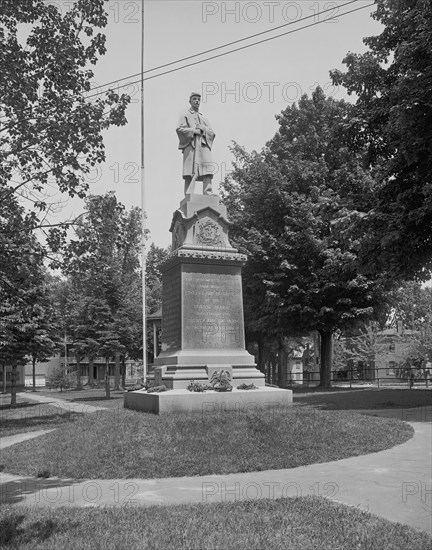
{"x":366,"y":398}
{"x":407,"y":405}
{"x":286,"y":524}
{"x":30,"y":416}
{"x":127,"y":444}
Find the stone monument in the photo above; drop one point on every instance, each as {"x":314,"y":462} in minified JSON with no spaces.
{"x":202,"y":304}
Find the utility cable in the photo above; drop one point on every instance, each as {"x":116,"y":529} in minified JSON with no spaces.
{"x":226,"y":45}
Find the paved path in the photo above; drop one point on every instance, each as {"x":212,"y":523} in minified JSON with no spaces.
{"x":71,"y":406}
{"x":9,"y":440}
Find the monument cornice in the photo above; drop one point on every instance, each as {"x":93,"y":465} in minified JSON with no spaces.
{"x":206,"y":256}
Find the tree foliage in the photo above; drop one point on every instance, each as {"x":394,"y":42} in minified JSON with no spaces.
{"x":43,"y":331}
{"x":155,"y":257}
{"x":102,"y":265}
{"x":411,"y":304}
{"x":51,"y":132}
{"x":51,"y":129}
{"x":393,"y":119}
{"x":58,"y":378}
{"x":295,"y":208}
{"x":27,"y":323}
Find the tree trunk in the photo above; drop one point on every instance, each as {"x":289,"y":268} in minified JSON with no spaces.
{"x":117,"y":372}
{"x":13,"y":387}
{"x":78,"y":372}
{"x":4,"y":378}
{"x":34,"y":372}
{"x":123,"y":372}
{"x":261,"y":361}
{"x":425,"y":376}
{"x":281,"y":364}
{"x":326,"y":359}
{"x":317,"y":356}
{"x":91,"y":372}
{"x":107,"y":381}
{"x":273,"y":368}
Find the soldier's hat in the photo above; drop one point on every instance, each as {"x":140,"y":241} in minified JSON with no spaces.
{"x":193,"y":94}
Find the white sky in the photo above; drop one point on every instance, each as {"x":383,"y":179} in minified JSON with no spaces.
{"x":293,"y":64}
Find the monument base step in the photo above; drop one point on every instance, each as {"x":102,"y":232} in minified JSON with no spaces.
{"x":263,"y":400}
{"x":179,"y":377}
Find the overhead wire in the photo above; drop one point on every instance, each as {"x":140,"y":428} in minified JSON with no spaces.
{"x":230,"y":51}
{"x":227,"y":44}
{"x":249,"y":45}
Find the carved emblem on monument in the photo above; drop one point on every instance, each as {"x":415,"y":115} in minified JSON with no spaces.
{"x":208,"y":232}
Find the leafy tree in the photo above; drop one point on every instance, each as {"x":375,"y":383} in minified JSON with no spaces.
{"x":155,"y":257}
{"x":128,"y":325}
{"x":418,"y":355}
{"x":13,"y":349}
{"x":295,"y":208}
{"x":360,"y":347}
{"x":58,"y":378}
{"x":102,"y":263}
{"x":21,"y":278}
{"x":411,"y":305}
{"x":51,"y":127}
{"x":87,"y":317}
{"x":43,"y":330}
{"x":110,"y":346}
{"x":413,"y":308}
{"x":51,"y":131}
{"x":393,"y":119}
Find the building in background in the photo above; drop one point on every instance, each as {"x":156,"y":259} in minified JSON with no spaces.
{"x":6,"y":377}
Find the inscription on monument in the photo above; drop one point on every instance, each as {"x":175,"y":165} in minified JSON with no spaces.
{"x":212,"y":307}
{"x":171,"y":318}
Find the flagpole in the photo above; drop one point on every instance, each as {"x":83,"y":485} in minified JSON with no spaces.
{"x":143,"y":202}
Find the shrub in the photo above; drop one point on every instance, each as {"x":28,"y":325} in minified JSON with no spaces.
{"x":198,"y":387}
{"x":247,"y":387}
{"x":157,"y":389}
{"x":58,"y":379}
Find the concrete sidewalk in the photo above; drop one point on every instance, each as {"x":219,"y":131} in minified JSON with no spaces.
{"x":70,"y":406}
{"x":394,"y":484}
{"x":10,"y":440}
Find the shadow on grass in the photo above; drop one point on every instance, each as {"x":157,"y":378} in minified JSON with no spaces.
{"x":102,"y":398}
{"x":17,"y":425}
{"x":36,"y":491}
{"x":13,"y":532}
{"x":415,"y":405}
{"x":18,"y":406}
